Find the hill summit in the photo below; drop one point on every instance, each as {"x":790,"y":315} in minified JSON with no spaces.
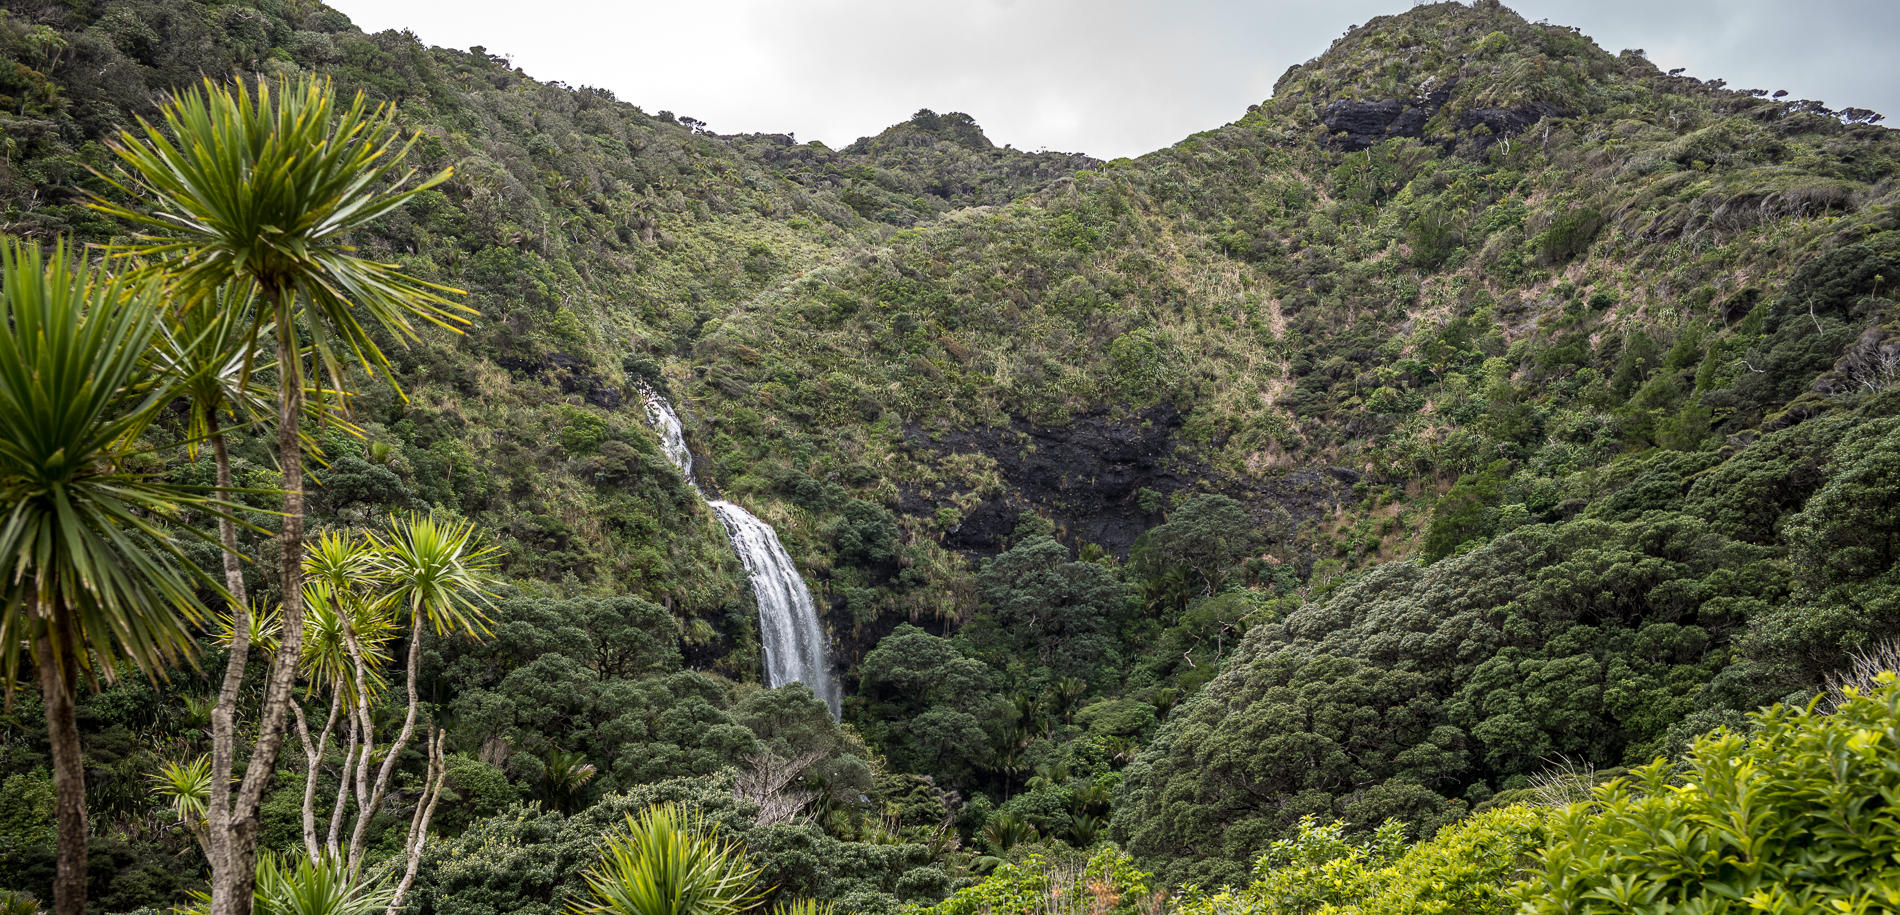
{"x":926,"y":128}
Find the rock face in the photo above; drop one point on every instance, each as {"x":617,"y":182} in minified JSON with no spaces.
{"x":1505,"y":122}
{"x":1356,"y":125}
{"x":1089,"y":476}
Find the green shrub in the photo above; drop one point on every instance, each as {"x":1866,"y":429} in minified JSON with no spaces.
{"x":582,"y":432}
{"x":1568,"y":235}
{"x":1465,"y":868}
{"x":1108,"y":883}
{"x":670,"y":860}
{"x":1798,"y":816}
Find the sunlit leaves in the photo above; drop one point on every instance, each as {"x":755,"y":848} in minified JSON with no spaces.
{"x":1796,"y":816}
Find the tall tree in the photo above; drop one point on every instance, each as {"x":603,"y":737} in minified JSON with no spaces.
{"x":439,"y":574}
{"x":211,"y":355}
{"x":208,"y":354}
{"x":265,"y":188}
{"x":93,"y":580}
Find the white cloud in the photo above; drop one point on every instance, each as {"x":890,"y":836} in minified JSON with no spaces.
{"x":1106,"y":77}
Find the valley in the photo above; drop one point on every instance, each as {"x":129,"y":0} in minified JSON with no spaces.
{"x":1319,"y":508}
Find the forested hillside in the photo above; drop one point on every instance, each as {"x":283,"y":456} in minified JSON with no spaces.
{"x":1483,"y":404}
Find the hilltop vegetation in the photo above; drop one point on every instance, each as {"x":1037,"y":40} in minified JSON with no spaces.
{"x":1481,"y":402}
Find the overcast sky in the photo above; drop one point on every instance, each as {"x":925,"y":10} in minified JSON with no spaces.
{"x":1105,"y":77}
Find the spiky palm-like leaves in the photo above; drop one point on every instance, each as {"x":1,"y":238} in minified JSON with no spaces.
{"x":567,"y":774}
{"x":304,"y":887}
{"x":14,"y":902}
{"x":329,"y":628}
{"x":437,"y":570}
{"x":209,"y":350}
{"x":669,"y":861}
{"x":346,"y":636}
{"x":1005,"y":831}
{"x":88,"y":566}
{"x":267,"y":186}
{"x":263,"y":189}
{"x":316,"y":888}
{"x":804,"y":907}
{"x":187,"y":785}
{"x":434,"y":568}
{"x":257,"y":625}
{"x":91,"y":579}
{"x":346,"y":619}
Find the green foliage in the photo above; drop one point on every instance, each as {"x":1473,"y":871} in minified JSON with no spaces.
{"x":299,"y":886}
{"x":1412,"y":691}
{"x":91,"y":569}
{"x":187,"y":785}
{"x":669,"y":860}
{"x":1107,"y":881}
{"x":26,"y":820}
{"x":933,"y":708}
{"x":804,"y":907}
{"x":475,"y":790}
{"x":1466,"y":512}
{"x":1469,"y":867}
{"x":867,"y":534}
{"x":13,"y":902}
{"x":435,"y":569}
{"x":599,"y":683}
{"x":1840,"y":541}
{"x":1194,"y":553}
{"x":1568,"y":235}
{"x":1062,"y":612}
{"x":264,"y":189}
{"x":531,"y":861}
{"x":1794,"y":816}
{"x":793,"y":723}
{"x":582,"y":432}
{"x":1635,"y":324}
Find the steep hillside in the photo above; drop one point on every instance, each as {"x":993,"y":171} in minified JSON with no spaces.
{"x":1482,"y":399}
{"x":1489,"y":301}
{"x":1463,"y":277}
{"x":592,"y":236}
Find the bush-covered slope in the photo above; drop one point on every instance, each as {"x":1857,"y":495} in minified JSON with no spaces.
{"x":1420,"y":692}
{"x":1489,"y":312}
{"x":1482,"y":398}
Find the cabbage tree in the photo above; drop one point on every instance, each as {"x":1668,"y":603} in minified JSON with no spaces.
{"x":94,"y":580}
{"x":265,"y":188}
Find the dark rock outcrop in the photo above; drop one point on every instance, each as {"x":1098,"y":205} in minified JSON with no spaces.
{"x":1089,"y":476}
{"x":1356,"y":125}
{"x":1506,"y":122}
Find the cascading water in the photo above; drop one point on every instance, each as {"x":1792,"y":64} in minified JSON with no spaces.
{"x":788,"y":621}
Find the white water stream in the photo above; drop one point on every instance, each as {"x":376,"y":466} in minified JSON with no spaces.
{"x":788,"y":621}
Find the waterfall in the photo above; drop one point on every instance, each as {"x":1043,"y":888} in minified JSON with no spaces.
{"x":788,"y":621}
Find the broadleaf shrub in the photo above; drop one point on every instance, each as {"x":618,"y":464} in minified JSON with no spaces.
{"x":1798,"y":816}
{"x":1469,"y":867}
